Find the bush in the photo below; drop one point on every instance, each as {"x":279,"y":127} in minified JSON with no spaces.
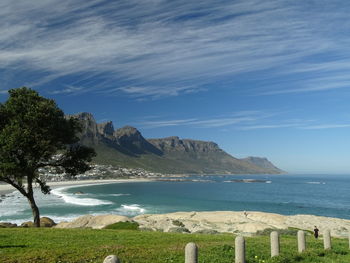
{"x":178,"y":223}
{"x":123,"y":226}
{"x":290,"y":231}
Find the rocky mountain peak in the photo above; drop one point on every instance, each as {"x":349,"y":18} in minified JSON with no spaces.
{"x":106,"y":128}
{"x":172,"y":154}
{"x":127,"y":132}
{"x":89,"y":133}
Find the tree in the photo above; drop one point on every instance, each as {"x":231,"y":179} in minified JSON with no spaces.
{"x":35,"y":134}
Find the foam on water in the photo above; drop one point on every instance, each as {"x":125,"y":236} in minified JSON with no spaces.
{"x":71,"y":199}
{"x":13,"y":204}
{"x":118,"y":194}
{"x":315,"y":182}
{"x":130,"y":210}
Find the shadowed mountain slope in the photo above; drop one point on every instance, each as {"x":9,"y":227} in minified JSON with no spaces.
{"x":127,"y":147}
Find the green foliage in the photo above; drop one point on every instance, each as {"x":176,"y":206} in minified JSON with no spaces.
{"x":90,"y":245}
{"x":289,"y":231}
{"x":32,"y":131}
{"x":124,"y":225}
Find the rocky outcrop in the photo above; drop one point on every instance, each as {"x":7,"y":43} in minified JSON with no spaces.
{"x":248,"y":223}
{"x":89,"y":133}
{"x":7,"y":225}
{"x":44,"y":222}
{"x":131,"y":139}
{"x":245,"y":223}
{"x":106,"y":129}
{"x":175,"y":144}
{"x":95,"y":222}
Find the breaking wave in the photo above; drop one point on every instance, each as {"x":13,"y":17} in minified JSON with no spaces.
{"x":130,"y":210}
{"x":72,"y":199}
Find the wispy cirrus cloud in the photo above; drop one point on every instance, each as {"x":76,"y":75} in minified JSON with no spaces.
{"x":237,"y":118}
{"x":243,"y":121}
{"x":167,"y":48}
{"x":326,"y":126}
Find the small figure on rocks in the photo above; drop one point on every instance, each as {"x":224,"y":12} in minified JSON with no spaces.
{"x":245,"y":213}
{"x":316,"y":232}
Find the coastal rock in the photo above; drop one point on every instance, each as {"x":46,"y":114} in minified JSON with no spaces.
{"x":7,"y":225}
{"x":95,"y":222}
{"x":338,"y":227}
{"x":239,"y":222}
{"x":44,"y":222}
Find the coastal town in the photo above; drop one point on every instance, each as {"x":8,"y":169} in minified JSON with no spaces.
{"x":99,"y":172}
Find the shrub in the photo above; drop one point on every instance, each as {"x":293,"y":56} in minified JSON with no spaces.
{"x":123,"y":225}
{"x":178,"y":223}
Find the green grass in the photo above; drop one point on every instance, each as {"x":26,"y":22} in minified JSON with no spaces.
{"x":31,"y":245}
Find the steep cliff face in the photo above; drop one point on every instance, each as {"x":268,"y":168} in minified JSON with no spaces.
{"x":106,"y":129}
{"x":89,"y":134}
{"x":131,"y":139}
{"x":128,"y":148}
{"x":175,"y":144}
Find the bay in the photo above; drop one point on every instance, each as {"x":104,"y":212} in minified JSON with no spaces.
{"x":324,"y":195}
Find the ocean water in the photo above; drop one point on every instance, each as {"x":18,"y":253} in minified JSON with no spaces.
{"x":325,"y":195}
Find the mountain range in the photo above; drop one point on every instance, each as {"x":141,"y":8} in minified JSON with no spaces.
{"x":126,"y":147}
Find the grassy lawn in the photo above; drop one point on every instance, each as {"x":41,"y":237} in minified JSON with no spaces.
{"x":29,"y":245}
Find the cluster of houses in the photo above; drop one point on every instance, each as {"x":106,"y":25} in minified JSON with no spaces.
{"x":98,"y":171}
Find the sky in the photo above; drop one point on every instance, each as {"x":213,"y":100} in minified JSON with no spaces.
{"x":260,"y":78}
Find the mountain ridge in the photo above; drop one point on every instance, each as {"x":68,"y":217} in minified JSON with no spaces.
{"x":127,"y":147}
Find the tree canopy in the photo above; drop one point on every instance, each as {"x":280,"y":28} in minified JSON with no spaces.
{"x":34,"y":134}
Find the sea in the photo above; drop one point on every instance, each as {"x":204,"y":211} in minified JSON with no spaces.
{"x":323,"y":195}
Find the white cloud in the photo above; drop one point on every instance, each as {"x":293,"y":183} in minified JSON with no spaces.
{"x":326,"y":126}
{"x":167,"y":48}
{"x":238,"y":118}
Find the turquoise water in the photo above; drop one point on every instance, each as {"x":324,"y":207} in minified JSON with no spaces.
{"x":326,"y":195}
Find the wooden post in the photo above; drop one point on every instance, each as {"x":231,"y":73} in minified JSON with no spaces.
{"x":301,"y":241}
{"x":327,"y":239}
{"x":239,"y":250}
{"x":275,"y":244}
{"x":191,"y":253}
{"x":111,"y":259}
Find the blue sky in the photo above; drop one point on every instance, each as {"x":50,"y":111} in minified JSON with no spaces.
{"x":260,"y":78}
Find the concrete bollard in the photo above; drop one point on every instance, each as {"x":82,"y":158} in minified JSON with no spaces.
{"x":191,"y":253}
{"x":239,"y":250}
{"x":111,"y":259}
{"x":275,"y":244}
{"x":327,"y":239}
{"x":301,"y":241}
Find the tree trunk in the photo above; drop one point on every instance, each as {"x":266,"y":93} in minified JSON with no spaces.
{"x":35,"y":210}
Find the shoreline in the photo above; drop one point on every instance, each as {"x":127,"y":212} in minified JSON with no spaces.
{"x":7,"y":188}
{"x":209,"y":221}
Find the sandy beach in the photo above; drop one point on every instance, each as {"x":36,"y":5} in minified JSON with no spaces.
{"x":6,"y":188}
